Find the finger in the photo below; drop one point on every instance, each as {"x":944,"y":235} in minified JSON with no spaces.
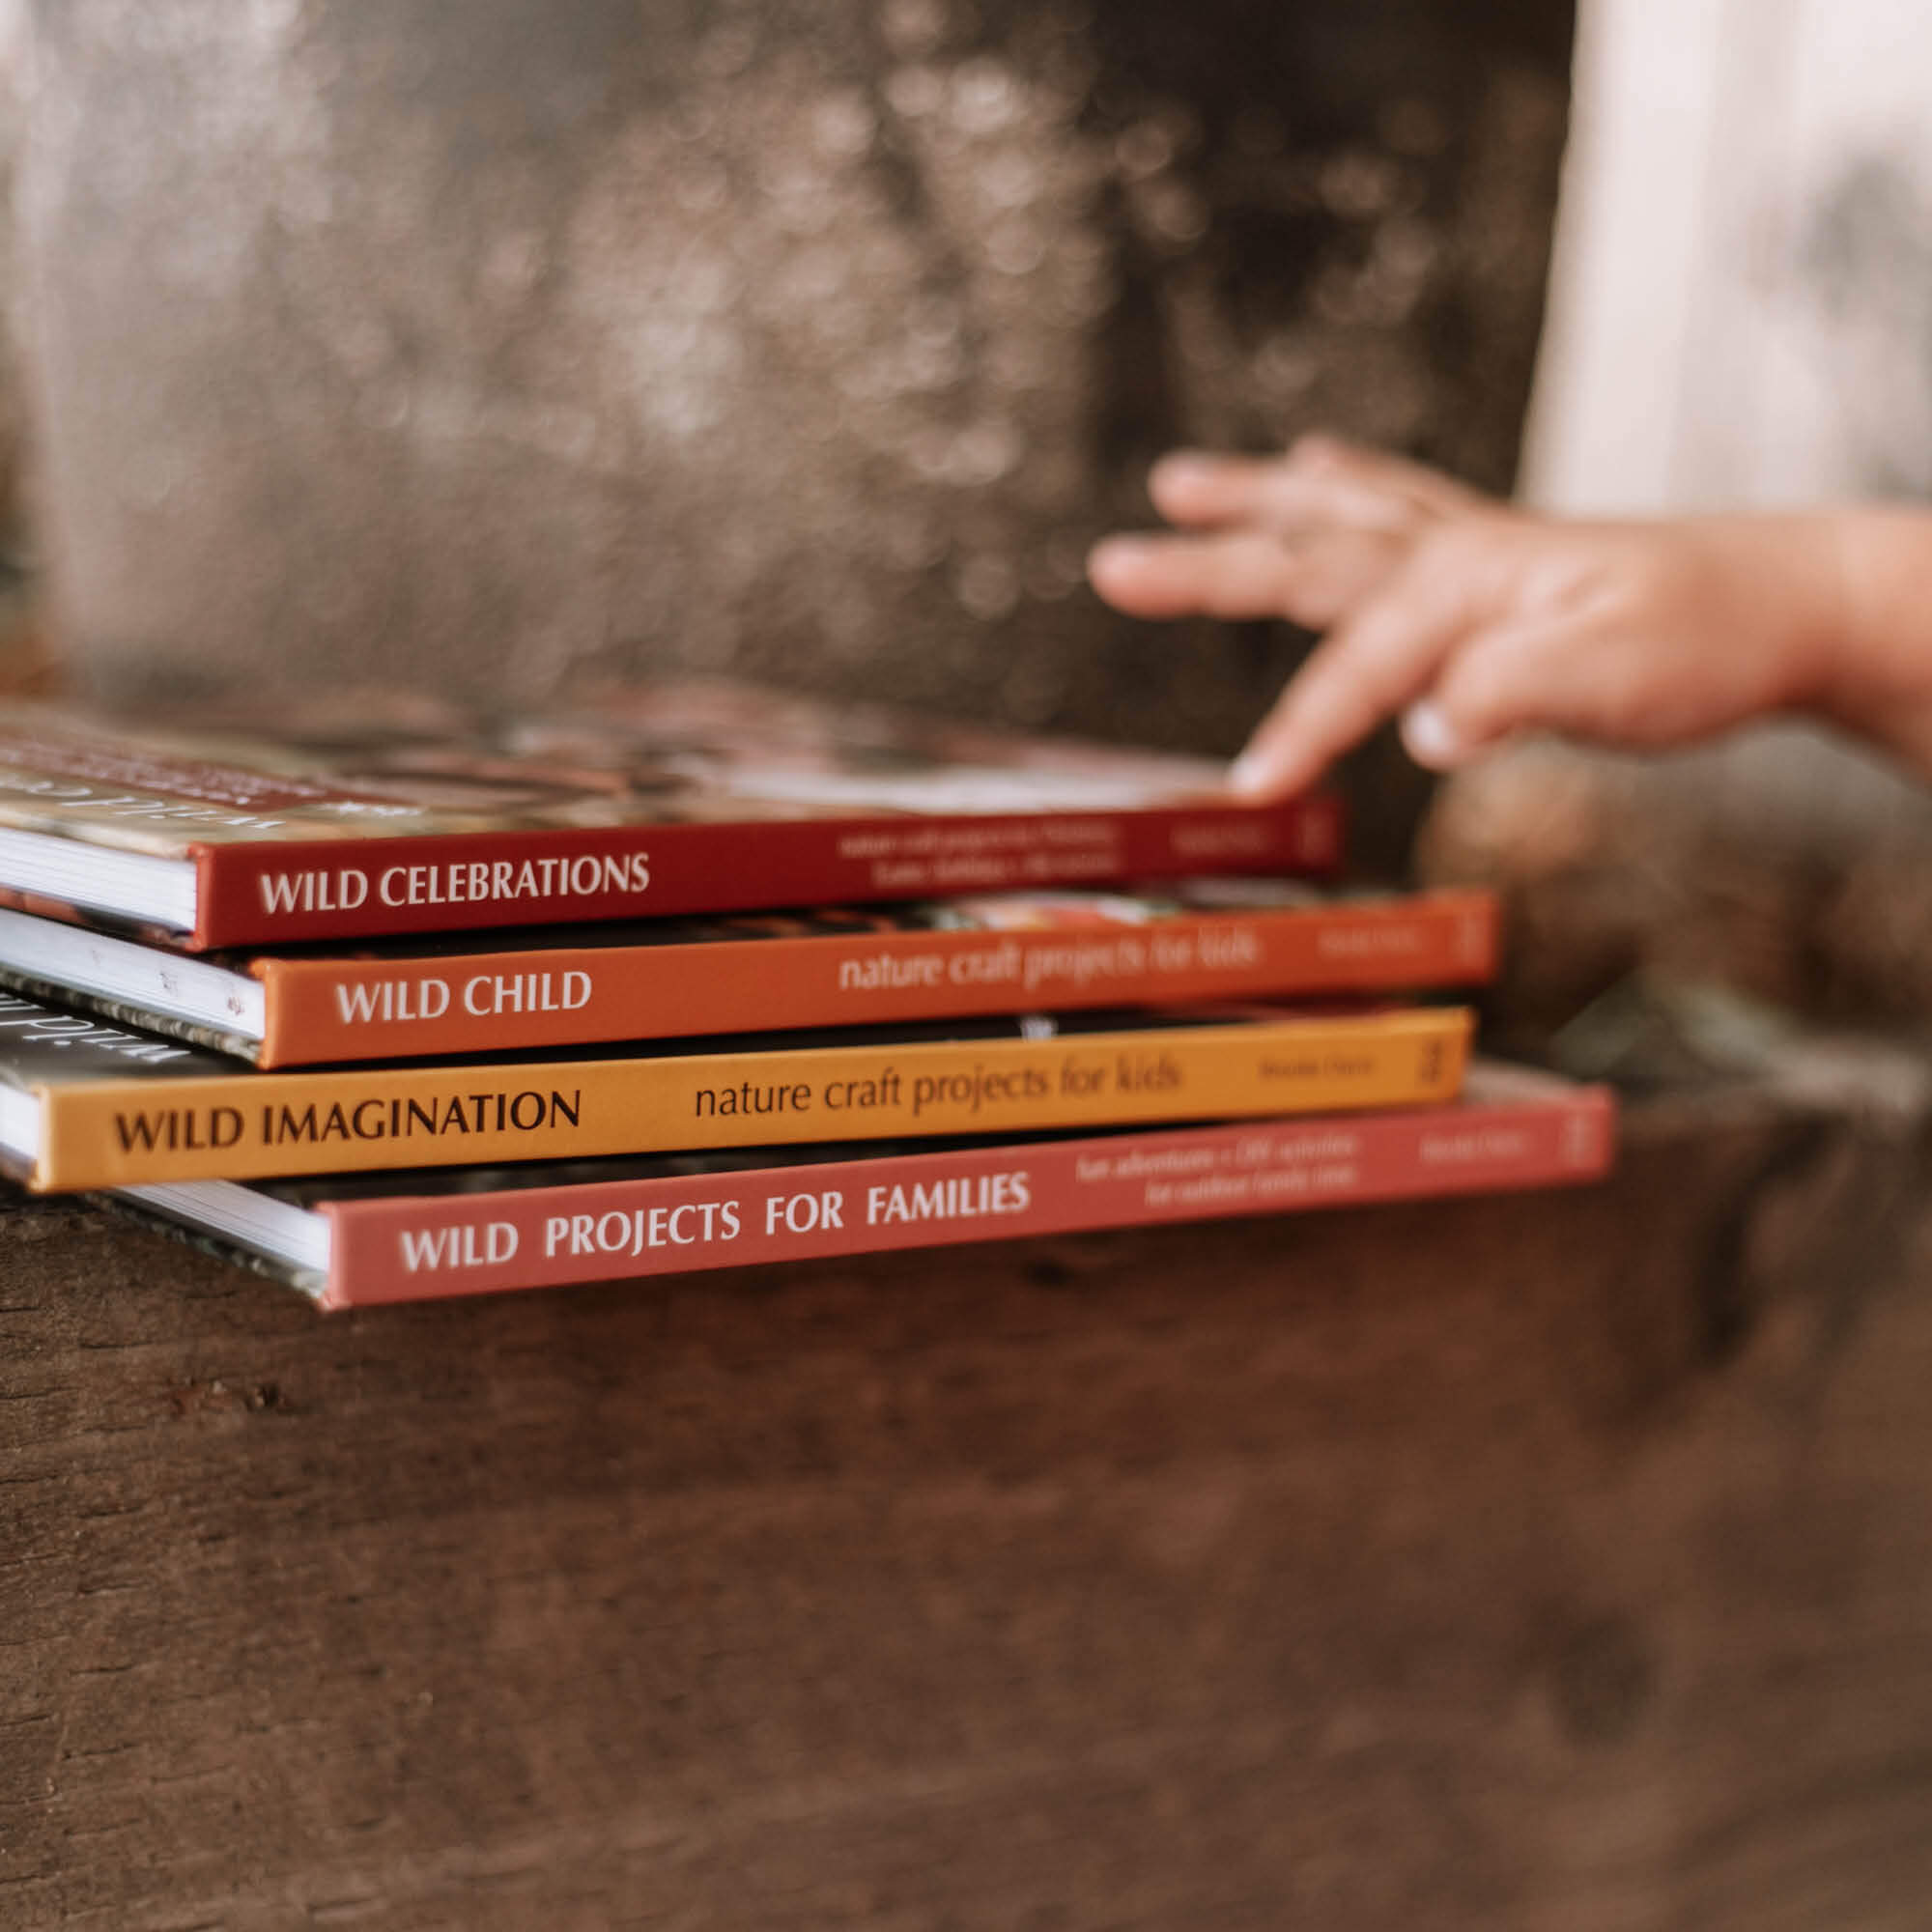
{"x":1208,"y":492}
{"x":1240,"y":574}
{"x":1195,"y":487}
{"x":1315,"y":580}
{"x":1429,"y":738}
{"x":1365,"y":672}
{"x":1555,"y":677}
{"x":1330,"y":572}
{"x":1378,"y":473}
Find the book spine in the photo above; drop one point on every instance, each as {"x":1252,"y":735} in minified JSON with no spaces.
{"x":428,"y":1247}
{"x":273,"y":893}
{"x":117,"y":1133}
{"x":324,"y":1011}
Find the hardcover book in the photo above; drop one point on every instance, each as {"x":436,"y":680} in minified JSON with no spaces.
{"x":355,"y":818}
{"x":87,"y":1105}
{"x":353,"y":1240}
{"x":1231,"y":938}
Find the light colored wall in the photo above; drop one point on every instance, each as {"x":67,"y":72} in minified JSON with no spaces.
{"x":1741,"y":300}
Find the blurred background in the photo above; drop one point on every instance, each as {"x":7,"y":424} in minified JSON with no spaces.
{"x":488,"y":344}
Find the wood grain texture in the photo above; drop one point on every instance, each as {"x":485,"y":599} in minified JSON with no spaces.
{"x":1560,"y":1562}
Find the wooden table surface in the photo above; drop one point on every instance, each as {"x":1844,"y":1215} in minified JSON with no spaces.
{"x":1558,"y":1562}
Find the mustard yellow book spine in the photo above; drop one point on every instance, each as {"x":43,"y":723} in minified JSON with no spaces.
{"x":115,"y":1133}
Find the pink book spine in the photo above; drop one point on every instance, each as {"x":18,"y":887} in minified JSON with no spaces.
{"x":427,"y":1247}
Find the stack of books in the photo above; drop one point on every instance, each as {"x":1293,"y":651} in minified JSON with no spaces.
{"x":396,"y":1002}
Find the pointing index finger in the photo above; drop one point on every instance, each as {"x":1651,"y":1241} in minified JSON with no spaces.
{"x":1367,"y":670}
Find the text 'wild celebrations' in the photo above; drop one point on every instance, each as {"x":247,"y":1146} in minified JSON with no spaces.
{"x":458,"y":882}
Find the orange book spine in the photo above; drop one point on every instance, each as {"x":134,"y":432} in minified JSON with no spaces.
{"x":324,"y":1011}
{"x":119,"y":1132}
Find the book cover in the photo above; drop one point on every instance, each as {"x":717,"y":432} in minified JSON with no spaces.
{"x":1200,"y":940}
{"x":355,"y":817}
{"x":85,"y":1105}
{"x":359,"y":1240}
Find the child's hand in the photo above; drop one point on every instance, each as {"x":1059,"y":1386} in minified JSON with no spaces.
{"x":1472,"y":621}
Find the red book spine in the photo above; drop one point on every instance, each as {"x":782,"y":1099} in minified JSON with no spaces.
{"x":259,"y":893}
{"x":426,"y":1248}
